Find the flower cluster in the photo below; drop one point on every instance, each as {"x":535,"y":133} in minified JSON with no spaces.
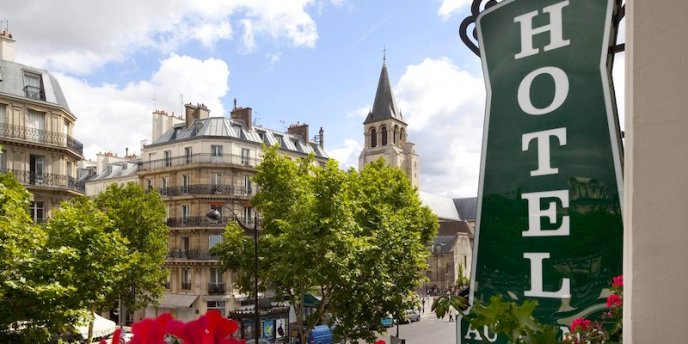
{"x":592,"y":332}
{"x":210,"y":328}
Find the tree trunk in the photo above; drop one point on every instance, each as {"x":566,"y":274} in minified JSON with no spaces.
{"x":90,"y":326}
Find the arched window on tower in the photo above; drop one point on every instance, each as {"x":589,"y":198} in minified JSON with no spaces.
{"x":402,"y":135}
{"x":396,"y":134}
{"x":383,"y":129}
{"x":373,"y":138}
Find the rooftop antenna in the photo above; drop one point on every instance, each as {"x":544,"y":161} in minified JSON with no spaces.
{"x":235,"y":104}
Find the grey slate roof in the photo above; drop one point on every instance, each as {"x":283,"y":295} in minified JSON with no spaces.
{"x":219,"y":127}
{"x":442,"y":206}
{"x":385,"y":105}
{"x":12,"y":83}
{"x":118,"y":170}
{"x":467,"y":207}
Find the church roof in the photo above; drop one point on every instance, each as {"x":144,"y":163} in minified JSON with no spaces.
{"x":385,"y":106}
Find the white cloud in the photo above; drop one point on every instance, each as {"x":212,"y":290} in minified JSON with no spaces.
{"x":444,"y":108}
{"x":112,"y":118}
{"x":77,"y":36}
{"x":359,"y":113}
{"x":347,"y":156}
{"x":449,"y":7}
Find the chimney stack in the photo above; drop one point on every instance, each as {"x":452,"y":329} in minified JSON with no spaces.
{"x":299,"y":129}
{"x":6,"y":46}
{"x":194,"y":112}
{"x":243,"y":114}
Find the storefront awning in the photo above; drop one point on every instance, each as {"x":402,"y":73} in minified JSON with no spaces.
{"x":101,"y":327}
{"x":177,"y":300}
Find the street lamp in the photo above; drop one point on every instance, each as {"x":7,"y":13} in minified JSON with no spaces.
{"x":215,"y":215}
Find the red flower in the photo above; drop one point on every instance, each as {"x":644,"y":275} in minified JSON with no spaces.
{"x":210,"y":328}
{"x":617,"y":281}
{"x":380,"y":341}
{"x":614,"y":300}
{"x":580,"y":324}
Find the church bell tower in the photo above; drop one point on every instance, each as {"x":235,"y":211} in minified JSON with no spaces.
{"x":385,"y":133}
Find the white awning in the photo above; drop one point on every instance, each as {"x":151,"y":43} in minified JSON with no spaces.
{"x":101,"y":327}
{"x":177,"y":300}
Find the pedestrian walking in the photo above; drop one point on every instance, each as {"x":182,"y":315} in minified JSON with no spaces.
{"x":451,"y":316}
{"x":423,"y":302}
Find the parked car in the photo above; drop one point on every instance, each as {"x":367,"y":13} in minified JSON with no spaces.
{"x":410,"y":316}
{"x":387,"y":321}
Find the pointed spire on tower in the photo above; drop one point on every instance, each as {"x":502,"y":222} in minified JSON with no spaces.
{"x":385,"y":105}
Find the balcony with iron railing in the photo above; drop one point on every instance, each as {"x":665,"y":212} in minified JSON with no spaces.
{"x":34,"y":92}
{"x":191,"y":254}
{"x":186,"y":285}
{"x":203,"y":221}
{"x":206,"y":189}
{"x":196,"y":159}
{"x":32,"y":178}
{"x":216,"y":288}
{"x":34,"y":135}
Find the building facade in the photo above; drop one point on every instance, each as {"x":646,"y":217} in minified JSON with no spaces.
{"x":108,"y":169}
{"x":36,"y":133}
{"x":199,"y":164}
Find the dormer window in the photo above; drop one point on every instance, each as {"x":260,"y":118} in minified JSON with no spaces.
{"x":33,"y":86}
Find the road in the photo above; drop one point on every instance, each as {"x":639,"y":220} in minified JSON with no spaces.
{"x":429,"y":330}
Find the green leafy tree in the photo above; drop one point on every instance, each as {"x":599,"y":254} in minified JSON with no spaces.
{"x":28,"y":308}
{"x":85,"y":254}
{"x":388,"y":252}
{"x":140,"y":218}
{"x":357,"y":240}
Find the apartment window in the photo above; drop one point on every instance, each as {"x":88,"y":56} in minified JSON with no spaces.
{"x":168,"y":158}
{"x":36,"y":169}
{"x":245,"y":156}
{"x":3,"y":116}
{"x":187,"y":154}
{"x":185,"y":212}
{"x":217,"y":305}
{"x":36,"y":211}
{"x":35,"y":119}
{"x":216,"y":180}
{"x":214,"y":239}
{"x":247,"y":184}
{"x":263,"y":137}
{"x":185,"y":244}
{"x":247,"y":215}
{"x":169,"y":278}
{"x":163,"y":186}
{"x":216,"y":150}
{"x":149,"y":184}
{"x":33,"y":87}
{"x":186,"y":278}
{"x":3,"y":160}
{"x":167,"y":212}
{"x":65,"y":128}
{"x":69,"y":169}
{"x":185,"y":183}
{"x":215,"y":276}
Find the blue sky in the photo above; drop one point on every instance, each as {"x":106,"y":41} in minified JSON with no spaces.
{"x":312,"y":61}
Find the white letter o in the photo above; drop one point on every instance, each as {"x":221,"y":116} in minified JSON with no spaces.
{"x":561,"y":90}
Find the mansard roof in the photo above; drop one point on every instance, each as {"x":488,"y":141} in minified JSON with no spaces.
{"x":222,"y":127}
{"x":385,"y":105}
{"x":12,"y":83}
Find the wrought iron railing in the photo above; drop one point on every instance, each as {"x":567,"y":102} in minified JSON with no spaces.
{"x":203,"y":221}
{"x":34,"y":92}
{"x":46,"y":179}
{"x":202,"y":158}
{"x":192,"y":254}
{"x":186,"y":285}
{"x":206,"y":189}
{"x":216,"y":288}
{"x":40,"y":136}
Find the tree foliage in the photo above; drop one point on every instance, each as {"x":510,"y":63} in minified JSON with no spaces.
{"x":356,"y":240}
{"x":140,"y":218}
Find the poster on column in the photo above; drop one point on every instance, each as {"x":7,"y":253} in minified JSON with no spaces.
{"x":549,"y":225}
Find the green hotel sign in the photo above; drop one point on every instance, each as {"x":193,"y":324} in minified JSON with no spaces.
{"x":549,"y":215}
